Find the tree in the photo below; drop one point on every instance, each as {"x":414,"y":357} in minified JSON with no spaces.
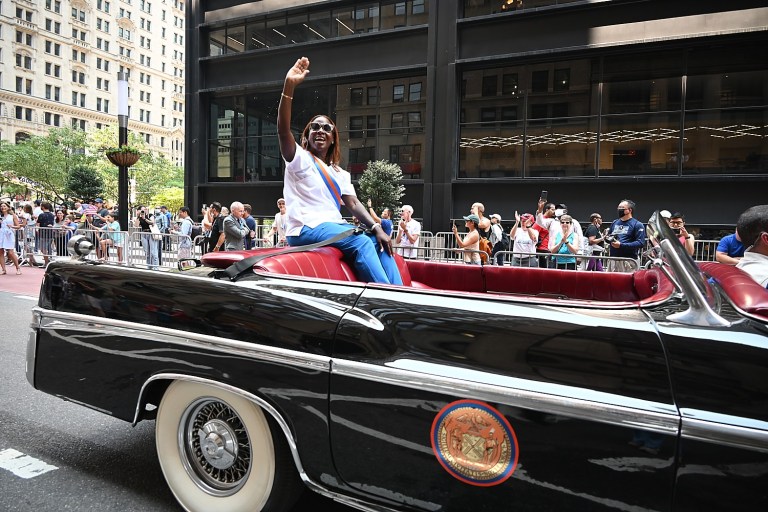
{"x":381,"y":182}
{"x":172,"y":197}
{"x":47,"y":160}
{"x":84,"y":183}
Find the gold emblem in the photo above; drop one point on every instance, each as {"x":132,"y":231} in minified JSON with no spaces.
{"x":475,"y":443}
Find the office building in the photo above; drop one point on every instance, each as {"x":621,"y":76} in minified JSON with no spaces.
{"x":594,"y":101}
{"x":59,"y":64}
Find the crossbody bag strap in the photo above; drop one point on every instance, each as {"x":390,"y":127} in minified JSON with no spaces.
{"x":330,"y":182}
{"x":236,"y":269}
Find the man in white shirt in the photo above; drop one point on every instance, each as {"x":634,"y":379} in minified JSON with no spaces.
{"x":752,"y":227}
{"x":408,"y":232}
{"x":279,"y":225}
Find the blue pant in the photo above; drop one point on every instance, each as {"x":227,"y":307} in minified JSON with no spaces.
{"x":371,"y":264}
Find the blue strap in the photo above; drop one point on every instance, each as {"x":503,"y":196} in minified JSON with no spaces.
{"x":330,"y":182}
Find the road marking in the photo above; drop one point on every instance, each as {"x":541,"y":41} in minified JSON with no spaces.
{"x":22,"y":465}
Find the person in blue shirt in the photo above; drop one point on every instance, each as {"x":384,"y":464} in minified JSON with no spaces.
{"x":730,"y":250}
{"x":627,"y":238}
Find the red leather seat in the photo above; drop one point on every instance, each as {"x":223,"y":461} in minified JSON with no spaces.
{"x":744,"y":291}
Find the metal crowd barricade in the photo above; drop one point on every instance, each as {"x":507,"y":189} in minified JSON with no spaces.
{"x":581,"y":259}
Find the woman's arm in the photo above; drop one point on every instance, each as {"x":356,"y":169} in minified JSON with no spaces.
{"x":293,"y":78}
{"x":357,"y":209}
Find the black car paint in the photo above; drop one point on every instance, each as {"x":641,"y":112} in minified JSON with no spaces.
{"x":362,"y":434}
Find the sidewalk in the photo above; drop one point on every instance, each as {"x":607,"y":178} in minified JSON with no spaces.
{"x":28,"y":283}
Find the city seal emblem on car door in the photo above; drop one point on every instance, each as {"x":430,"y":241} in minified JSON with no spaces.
{"x":475,"y":443}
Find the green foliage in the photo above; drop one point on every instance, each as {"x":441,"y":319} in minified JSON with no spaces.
{"x":127,"y":148}
{"x":84,"y":183}
{"x":381,"y":182}
{"x":47,"y":159}
{"x":172,"y":197}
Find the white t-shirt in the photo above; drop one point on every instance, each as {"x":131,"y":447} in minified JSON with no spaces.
{"x":281,"y":223}
{"x":523,"y":244}
{"x":307,"y":198}
{"x":414,"y":228}
{"x":756,"y":265}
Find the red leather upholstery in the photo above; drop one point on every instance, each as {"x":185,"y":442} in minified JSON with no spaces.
{"x":446,"y":276}
{"x":323,"y":263}
{"x":744,"y":291}
{"x":652,"y":285}
{"x":572,"y":284}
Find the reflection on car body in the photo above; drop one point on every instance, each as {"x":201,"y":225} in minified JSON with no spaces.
{"x":470,"y":388}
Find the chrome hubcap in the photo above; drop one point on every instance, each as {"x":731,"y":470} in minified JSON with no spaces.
{"x":215,"y":448}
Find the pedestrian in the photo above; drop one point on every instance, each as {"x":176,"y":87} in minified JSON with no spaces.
{"x":8,"y":227}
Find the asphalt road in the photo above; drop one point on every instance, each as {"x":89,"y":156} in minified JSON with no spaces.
{"x":70,"y":457}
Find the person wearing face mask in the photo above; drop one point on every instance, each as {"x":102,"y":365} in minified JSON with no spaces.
{"x":626,"y":237}
{"x":316,"y":186}
{"x":752,"y":227}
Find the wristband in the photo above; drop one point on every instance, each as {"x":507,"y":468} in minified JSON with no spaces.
{"x":374,"y":225}
{"x":286,"y":96}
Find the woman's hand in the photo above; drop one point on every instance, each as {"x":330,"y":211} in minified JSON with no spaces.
{"x":298,"y":72}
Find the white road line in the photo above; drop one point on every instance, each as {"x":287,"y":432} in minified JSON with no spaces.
{"x":22,"y":465}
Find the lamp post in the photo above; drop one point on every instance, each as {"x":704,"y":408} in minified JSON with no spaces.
{"x":122,"y":137}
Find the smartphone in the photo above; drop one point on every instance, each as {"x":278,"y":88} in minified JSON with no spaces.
{"x":543,"y":195}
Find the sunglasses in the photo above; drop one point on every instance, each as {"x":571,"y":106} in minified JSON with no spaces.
{"x":327,"y":128}
{"x":564,"y":222}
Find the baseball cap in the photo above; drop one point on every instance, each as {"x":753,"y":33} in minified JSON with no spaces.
{"x":496,"y":216}
{"x":527,"y":217}
{"x":665,"y":214}
{"x":474,"y":218}
{"x":98,"y":200}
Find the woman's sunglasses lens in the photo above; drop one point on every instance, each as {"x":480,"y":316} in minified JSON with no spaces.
{"x":326,"y":127}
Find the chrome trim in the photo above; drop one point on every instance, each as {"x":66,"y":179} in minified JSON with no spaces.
{"x":108,"y":326}
{"x":31,"y":352}
{"x":577,"y":403}
{"x":314,"y":486}
{"x":721,"y":433}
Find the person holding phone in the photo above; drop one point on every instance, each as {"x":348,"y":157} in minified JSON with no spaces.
{"x":316,"y":186}
{"x":677,"y":223}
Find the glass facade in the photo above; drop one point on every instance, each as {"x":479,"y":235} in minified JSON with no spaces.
{"x":301,"y":27}
{"x":630,"y":115}
{"x":377,"y":120}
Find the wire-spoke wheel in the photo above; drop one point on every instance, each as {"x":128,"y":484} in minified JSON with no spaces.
{"x":219,"y":452}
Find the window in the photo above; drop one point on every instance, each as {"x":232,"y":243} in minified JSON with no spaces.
{"x":24,"y":85}
{"x":540,"y":81}
{"x":414,"y":122}
{"x":373,"y":95}
{"x":23,"y":61}
{"x":78,"y":15}
{"x":23,"y":38}
{"x":52,"y":93}
{"x":562,"y":80}
{"x":53,"y":5}
{"x":78,"y":77}
{"x":102,"y":5}
{"x":52,"y":119}
{"x":414,"y":92}
{"x":53,"y":48}
{"x":397,"y":122}
{"x":510,"y":84}
{"x":356,"y":98}
{"x":24,"y":114}
{"x":398,"y":93}
{"x":489,"y":85}
{"x":356,"y":126}
{"x":78,"y":124}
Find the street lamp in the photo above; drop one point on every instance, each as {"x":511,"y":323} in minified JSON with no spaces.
{"x":122,"y":138}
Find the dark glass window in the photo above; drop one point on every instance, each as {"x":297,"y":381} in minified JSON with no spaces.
{"x":562,"y":80}
{"x":540,"y":81}
{"x":356,"y":127}
{"x":356,"y":96}
{"x":489,"y":85}
{"x":398,"y":93}
{"x":414,"y":92}
{"x":373,"y":95}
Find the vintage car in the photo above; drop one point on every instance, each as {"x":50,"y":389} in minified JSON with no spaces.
{"x":469,"y":388}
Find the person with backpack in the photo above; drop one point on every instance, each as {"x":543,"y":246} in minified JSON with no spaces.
{"x":499,"y":239}
{"x":185,"y":233}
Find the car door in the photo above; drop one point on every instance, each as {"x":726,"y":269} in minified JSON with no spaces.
{"x":720,"y":383}
{"x":465,"y":402}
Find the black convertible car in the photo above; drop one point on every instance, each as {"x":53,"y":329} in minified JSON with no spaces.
{"x":470,"y":388}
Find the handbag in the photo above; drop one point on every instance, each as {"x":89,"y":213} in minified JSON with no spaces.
{"x":156,"y":235}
